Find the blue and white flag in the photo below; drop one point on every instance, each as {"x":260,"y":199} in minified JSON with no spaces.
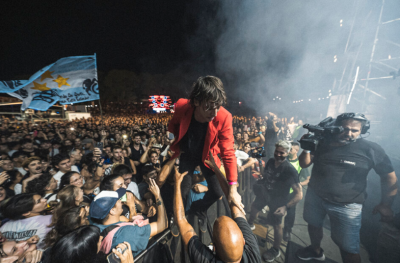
{"x":68,"y":80}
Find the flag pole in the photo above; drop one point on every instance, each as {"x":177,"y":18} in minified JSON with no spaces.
{"x":101,"y":115}
{"x":101,"y":110}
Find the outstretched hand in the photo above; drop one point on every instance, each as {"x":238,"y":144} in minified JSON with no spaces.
{"x":154,"y":189}
{"x":179,"y":176}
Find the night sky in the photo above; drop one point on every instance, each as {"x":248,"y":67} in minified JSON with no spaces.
{"x":147,"y":36}
{"x":261,"y":49}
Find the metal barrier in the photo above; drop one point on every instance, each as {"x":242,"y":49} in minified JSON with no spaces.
{"x":166,"y":248}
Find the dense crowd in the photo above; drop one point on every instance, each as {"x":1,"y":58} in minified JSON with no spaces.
{"x":51,"y":172}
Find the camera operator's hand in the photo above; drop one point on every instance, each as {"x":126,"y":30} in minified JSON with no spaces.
{"x":385,"y":211}
{"x":281,"y":211}
{"x":126,"y":256}
{"x":240,"y":169}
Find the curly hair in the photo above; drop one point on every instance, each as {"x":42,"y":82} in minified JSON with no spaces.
{"x":38,"y":185}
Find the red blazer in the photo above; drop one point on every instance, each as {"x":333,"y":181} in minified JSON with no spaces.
{"x":219,"y":138}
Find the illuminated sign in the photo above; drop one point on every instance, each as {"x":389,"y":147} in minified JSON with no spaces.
{"x":160,"y":102}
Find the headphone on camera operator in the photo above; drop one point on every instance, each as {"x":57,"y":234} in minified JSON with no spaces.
{"x":356,"y":116}
{"x":329,"y":127}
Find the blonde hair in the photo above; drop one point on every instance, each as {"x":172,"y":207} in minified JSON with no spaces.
{"x":284,"y":144}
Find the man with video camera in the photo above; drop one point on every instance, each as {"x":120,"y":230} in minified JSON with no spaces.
{"x":338,"y":184}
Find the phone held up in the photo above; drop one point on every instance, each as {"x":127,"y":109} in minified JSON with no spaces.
{"x":112,"y":258}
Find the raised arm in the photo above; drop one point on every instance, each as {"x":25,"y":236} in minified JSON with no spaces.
{"x":162,"y":221}
{"x":165,"y":171}
{"x":232,"y":196}
{"x":185,"y":229}
{"x":305,"y":159}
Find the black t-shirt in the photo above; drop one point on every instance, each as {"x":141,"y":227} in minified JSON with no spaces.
{"x":270,"y":134}
{"x":200,"y":253}
{"x":340,"y":173}
{"x":136,"y":154}
{"x":278,"y":180}
{"x":192,"y":143}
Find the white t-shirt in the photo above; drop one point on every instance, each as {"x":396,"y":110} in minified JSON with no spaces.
{"x":18,"y":189}
{"x":59,"y":174}
{"x":134,"y":189}
{"x":241,"y":156}
{"x":21,"y":170}
{"x":25,"y":228}
{"x":52,"y":198}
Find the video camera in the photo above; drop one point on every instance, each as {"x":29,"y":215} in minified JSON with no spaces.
{"x":322,"y":132}
{"x":258,"y":152}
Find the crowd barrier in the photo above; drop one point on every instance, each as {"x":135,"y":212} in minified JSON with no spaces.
{"x":165,"y":248}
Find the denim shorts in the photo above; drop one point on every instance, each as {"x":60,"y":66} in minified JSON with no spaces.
{"x":345,"y":220}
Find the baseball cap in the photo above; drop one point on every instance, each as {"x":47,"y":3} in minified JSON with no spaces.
{"x":104,"y":202}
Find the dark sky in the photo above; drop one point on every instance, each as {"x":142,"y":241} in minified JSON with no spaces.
{"x":145,"y":36}
{"x":261,"y":49}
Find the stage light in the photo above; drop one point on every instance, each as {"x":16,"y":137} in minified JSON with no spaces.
{"x":279,"y":98}
{"x":319,"y":98}
{"x":330,"y":94}
{"x":390,"y":57}
{"x":334,"y":59}
{"x":309,"y":99}
{"x":273,"y":99}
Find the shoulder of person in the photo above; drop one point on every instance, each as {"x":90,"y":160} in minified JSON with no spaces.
{"x":373,"y":145}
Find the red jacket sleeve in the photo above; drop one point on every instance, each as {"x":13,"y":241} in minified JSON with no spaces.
{"x":173,"y":126}
{"x":225,"y":144}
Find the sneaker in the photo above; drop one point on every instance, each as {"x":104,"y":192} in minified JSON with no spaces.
{"x":271,"y":254}
{"x":308,"y":253}
{"x":286,"y":235}
{"x":252,"y":227}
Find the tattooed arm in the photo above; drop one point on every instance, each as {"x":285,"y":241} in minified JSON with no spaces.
{"x":162,"y":221}
{"x":186,"y":230}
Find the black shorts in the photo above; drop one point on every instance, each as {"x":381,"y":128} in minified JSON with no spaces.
{"x":262,"y":200}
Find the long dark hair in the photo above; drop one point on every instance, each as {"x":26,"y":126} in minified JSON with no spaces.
{"x":77,"y":246}
{"x":66,"y":178}
{"x":108,"y":182}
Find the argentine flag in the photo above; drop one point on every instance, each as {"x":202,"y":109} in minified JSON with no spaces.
{"x":68,"y":80}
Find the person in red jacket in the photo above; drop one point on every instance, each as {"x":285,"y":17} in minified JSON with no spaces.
{"x":201,"y":125}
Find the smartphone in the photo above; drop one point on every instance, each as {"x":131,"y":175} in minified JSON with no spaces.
{"x":99,"y":145}
{"x":112,"y":258}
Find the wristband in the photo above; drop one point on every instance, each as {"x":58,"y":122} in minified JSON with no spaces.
{"x":306,"y":151}
{"x":232,"y":183}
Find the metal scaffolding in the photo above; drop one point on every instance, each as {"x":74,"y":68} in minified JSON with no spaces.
{"x":367,"y":76}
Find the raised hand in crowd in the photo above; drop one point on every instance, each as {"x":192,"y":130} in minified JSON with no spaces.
{"x":3,"y":177}
{"x":232,"y":196}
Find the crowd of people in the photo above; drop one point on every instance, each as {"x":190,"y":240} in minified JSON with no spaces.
{"x":90,"y":189}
